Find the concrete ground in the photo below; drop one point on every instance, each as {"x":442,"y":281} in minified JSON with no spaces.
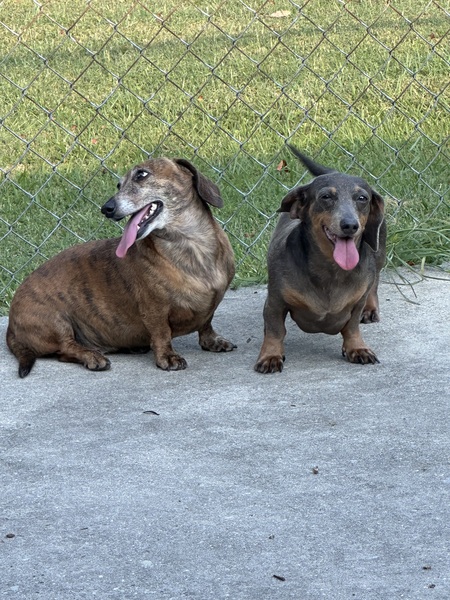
{"x":328,"y":481}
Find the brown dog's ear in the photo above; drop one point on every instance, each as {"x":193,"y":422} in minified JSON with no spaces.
{"x":376,"y":217}
{"x":206,"y":189}
{"x":295,"y":203}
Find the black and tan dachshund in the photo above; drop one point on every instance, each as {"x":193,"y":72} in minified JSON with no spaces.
{"x":324,"y":261}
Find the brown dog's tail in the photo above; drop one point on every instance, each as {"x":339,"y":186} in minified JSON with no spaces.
{"x":24,"y":355}
{"x":26,"y":362}
{"x":314,"y":168}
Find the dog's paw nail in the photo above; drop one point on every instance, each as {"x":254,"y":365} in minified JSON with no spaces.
{"x":270,"y":365}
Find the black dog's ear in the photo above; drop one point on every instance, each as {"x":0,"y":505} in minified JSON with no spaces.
{"x":295,"y":203}
{"x":205,"y":188}
{"x":376,"y":217}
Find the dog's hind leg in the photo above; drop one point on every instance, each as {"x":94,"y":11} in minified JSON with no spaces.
{"x":59,"y":340}
{"x":371,"y":311}
{"x":71,"y":351}
{"x":212,"y":341}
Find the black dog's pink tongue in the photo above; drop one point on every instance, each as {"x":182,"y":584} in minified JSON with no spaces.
{"x":130,"y":233}
{"x":345,"y":253}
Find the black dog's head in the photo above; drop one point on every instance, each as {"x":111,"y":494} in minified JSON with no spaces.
{"x":341,"y":210}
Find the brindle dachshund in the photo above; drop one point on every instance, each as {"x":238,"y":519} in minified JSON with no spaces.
{"x":324,"y":261}
{"x":164,"y":278}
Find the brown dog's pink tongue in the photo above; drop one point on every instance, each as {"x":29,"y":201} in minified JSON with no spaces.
{"x":345,"y":253}
{"x":129,"y":233}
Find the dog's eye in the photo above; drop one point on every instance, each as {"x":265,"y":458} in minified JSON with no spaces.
{"x":140,"y":175}
{"x":362,"y":198}
{"x":327,"y":197}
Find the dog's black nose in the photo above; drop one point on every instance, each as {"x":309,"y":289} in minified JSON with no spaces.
{"x":109,"y":208}
{"x":349,"y":226}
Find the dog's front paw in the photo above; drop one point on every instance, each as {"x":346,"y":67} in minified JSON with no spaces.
{"x":362,"y":356}
{"x":171,"y":362}
{"x":270,"y":364}
{"x":217,"y":344}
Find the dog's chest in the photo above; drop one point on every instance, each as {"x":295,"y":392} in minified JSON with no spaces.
{"x":195,"y":298}
{"x":325,"y":311}
{"x":191,"y":310}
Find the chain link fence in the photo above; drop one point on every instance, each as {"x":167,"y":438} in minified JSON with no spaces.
{"x":89,"y":88}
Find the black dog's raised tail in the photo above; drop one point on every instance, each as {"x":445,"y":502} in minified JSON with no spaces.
{"x":314,"y":168}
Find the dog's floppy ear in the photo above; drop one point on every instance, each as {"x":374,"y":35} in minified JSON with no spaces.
{"x":206,"y":189}
{"x":295,"y":203}
{"x":376,"y":217}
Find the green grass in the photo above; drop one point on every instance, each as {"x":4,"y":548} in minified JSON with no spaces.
{"x":88,"y":90}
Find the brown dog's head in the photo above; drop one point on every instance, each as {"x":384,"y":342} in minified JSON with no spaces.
{"x":340,"y":210}
{"x":156,"y":192}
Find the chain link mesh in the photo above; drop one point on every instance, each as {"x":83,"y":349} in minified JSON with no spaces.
{"x":89,"y":88}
